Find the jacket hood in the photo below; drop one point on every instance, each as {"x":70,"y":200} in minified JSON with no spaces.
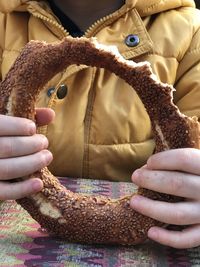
{"x":144,"y":7}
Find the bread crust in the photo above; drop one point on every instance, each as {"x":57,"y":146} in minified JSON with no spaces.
{"x":77,"y":217}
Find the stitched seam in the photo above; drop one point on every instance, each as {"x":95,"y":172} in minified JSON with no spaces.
{"x":122,"y":144}
{"x":193,"y":51}
{"x":151,"y":7}
{"x":87,"y":126}
{"x":154,"y":6}
{"x":12,"y":50}
{"x":116,"y":15}
{"x":196,"y":49}
{"x":160,"y":55}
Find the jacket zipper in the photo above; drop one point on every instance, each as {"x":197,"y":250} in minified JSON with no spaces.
{"x":52,"y":22}
{"x":89,"y":32}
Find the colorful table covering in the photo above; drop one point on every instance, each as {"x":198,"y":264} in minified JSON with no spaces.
{"x":24,"y":243}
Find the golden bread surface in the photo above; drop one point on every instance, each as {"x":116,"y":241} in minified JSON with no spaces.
{"x":73,"y":216}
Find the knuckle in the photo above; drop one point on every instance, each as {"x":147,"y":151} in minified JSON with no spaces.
{"x":24,"y":191}
{"x":177,"y":183}
{"x":179,"y":243}
{"x":3,"y":118}
{"x":41,"y":141}
{"x":141,"y":180}
{"x":144,"y":178}
{"x":179,"y":217}
{"x":3,"y":195}
{"x":191,"y":243}
{"x":6,"y":145}
{"x":174,"y":240}
{"x":4,"y":171}
{"x":185,"y":156}
{"x":42,"y":160}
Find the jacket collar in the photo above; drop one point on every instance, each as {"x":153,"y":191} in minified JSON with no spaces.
{"x":150,"y":7}
{"x":135,"y":8}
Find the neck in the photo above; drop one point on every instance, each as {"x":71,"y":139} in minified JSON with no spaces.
{"x":85,"y":12}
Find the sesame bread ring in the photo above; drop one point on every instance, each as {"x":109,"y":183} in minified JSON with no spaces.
{"x":77,"y":217}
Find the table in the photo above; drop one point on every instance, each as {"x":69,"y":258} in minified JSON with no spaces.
{"x":24,"y":243}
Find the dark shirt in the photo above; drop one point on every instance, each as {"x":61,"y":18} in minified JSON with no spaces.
{"x":67,"y":23}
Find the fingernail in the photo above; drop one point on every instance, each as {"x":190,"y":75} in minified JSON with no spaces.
{"x":144,"y":166}
{"x":37,"y":185}
{"x":48,"y":156}
{"x":31,"y":128}
{"x":135,"y":175}
{"x":152,"y":233}
{"x":135,"y":200}
{"x":45,"y":141}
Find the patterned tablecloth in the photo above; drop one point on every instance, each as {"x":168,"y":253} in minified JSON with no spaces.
{"x":24,"y":243}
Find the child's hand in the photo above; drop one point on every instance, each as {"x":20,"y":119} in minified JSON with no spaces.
{"x":175,"y":172}
{"x":22,"y":152}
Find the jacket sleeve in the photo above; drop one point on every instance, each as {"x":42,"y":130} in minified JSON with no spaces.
{"x":187,"y":94}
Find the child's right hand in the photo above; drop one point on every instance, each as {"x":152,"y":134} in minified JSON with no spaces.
{"x":22,"y":152}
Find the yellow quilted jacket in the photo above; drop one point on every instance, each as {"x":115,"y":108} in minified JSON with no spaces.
{"x":101,"y":129}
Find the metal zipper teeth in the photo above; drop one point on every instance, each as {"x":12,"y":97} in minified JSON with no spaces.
{"x":54,"y":23}
{"x":89,"y":32}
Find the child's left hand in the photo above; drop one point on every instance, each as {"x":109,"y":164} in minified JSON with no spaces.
{"x":175,"y":172}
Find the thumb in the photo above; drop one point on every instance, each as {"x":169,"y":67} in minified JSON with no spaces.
{"x":44,"y":116}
